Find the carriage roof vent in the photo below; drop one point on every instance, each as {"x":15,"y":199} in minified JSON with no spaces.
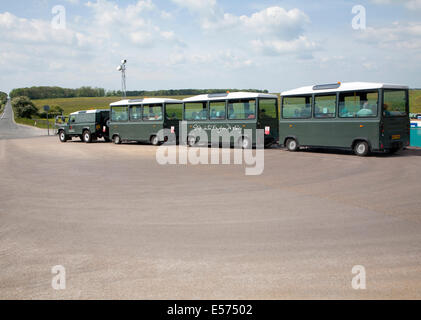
{"x":327,"y":86}
{"x":217,"y":95}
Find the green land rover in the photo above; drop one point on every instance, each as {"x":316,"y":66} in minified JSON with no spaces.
{"x":87,"y":125}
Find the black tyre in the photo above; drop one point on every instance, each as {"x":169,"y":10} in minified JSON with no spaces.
{"x":107,"y":139}
{"x":154,"y":140}
{"x":87,"y":136}
{"x":62,"y":136}
{"x":361,"y":149}
{"x":191,"y":141}
{"x":292,"y":145}
{"x":117,"y":139}
{"x":244,"y":143}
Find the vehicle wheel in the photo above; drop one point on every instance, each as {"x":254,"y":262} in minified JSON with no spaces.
{"x":292,"y":145}
{"x":107,"y":139}
{"x":87,"y":136}
{"x":154,"y":140}
{"x":117,"y":139}
{"x":191,"y":141}
{"x":361,"y":149}
{"x":244,"y":143}
{"x":393,"y":151}
{"x":62,"y":136}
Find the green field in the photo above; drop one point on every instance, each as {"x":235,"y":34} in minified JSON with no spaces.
{"x":40,"y":123}
{"x":415,"y":101}
{"x":70,"y":105}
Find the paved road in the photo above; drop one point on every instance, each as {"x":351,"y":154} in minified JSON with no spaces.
{"x":125,"y":227}
{"x":10,"y":130}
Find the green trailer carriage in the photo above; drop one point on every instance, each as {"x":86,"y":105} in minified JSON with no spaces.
{"x":359,"y":116}
{"x":87,"y":125}
{"x":233,"y":111}
{"x":142,"y":120}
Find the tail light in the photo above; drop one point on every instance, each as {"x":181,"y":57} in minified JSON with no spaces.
{"x":382,"y":129}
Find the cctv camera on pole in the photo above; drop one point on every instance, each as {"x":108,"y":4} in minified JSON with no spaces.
{"x":122,"y":69}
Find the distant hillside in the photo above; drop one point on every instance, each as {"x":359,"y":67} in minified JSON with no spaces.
{"x":415,"y":100}
{"x":85,"y":92}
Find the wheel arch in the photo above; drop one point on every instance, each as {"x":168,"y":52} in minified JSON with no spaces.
{"x":359,"y":139}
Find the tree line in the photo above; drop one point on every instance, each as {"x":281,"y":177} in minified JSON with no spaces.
{"x":3,"y":99}
{"x":58,"y":92}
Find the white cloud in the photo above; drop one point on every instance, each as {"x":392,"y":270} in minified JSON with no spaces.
{"x":397,"y":36}
{"x":272,"y":30}
{"x":300,"y":46}
{"x":410,"y":4}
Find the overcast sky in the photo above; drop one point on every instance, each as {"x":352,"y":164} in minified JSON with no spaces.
{"x":275,"y":45}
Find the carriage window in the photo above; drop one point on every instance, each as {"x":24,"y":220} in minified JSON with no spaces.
{"x":152,"y":112}
{"x":174,"y":111}
{"x":267,"y":108}
{"x":196,"y":111}
{"x":325,"y":106}
{"x":296,"y":107}
{"x":395,"y":102}
{"x":242,"y":109}
{"x":358,"y":104}
{"x":217,"y":110}
{"x":136,"y":113}
{"x":119,"y":114}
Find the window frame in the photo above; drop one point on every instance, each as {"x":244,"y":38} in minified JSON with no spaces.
{"x":243,"y":119}
{"x":153,"y":105}
{"x":310,"y":116}
{"x":127,"y":110}
{"x":276,"y":108}
{"x":169,"y":104}
{"x":406,"y":105}
{"x":336,"y":94}
{"x":225,"y":109}
{"x":141,"y":113}
{"x":366,"y":91}
{"x":196,"y":102}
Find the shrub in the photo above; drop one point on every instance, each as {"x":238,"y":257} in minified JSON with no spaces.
{"x":24,"y":107}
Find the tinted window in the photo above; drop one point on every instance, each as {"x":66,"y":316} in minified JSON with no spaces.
{"x":267,"y":108}
{"x":119,"y":114}
{"x":152,"y":112}
{"x":217,"y":110}
{"x":196,"y":111}
{"x":325,"y":106}
{"x":136,"y":113}
{"x":244,"y":109}
{"x":394,"y":103}
{"x":174,"y":111}
{"x":296,"y":107}
{"x":358,"y":104}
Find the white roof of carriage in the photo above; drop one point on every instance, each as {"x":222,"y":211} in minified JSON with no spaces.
{"x":89,"y":111}
{"x":144,"y":101}
{"x":233,"y":95}
{"x":346,"y":86}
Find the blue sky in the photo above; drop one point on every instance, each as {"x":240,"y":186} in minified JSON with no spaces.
{"x":274,"y":45}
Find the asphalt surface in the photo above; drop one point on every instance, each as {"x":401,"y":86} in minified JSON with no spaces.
{"x":125,"y":227}
{"x":10,"y":130}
